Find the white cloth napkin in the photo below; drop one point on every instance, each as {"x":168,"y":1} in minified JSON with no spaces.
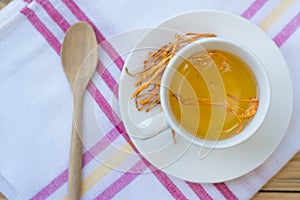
{"x":36,"y":100}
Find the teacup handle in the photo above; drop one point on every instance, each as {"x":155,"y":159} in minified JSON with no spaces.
{"x":152,"y":126}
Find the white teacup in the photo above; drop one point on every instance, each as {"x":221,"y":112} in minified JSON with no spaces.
{"x":166,"y":118}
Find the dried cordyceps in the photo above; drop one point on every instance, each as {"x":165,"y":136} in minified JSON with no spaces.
{"x":147,"y":93}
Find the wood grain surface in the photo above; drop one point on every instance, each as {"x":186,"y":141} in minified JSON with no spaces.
{"x":285,"y":185}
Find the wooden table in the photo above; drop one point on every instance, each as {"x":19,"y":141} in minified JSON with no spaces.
{"x":285,"y":185}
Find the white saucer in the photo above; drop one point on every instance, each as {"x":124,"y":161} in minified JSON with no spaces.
{"x":181,"y":159}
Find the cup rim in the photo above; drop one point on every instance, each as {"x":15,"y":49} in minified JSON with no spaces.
{"x":263,"y":84}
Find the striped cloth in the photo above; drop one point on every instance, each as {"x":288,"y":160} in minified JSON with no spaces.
{"x":36,"y":109}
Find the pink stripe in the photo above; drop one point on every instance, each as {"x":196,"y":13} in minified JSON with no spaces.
{"x":52,"y":186}
{"x":40,"y":27}
{"x":28,"y":1}
{"x":103,"y":104}
{"x":122,"y":182}
{"x":255,"y":6}
{"x":162,"y":177}
{"x":165,"y":180}
{"x":169,"y":185}
{"x":64,"y":25}
{"x":225,"y":191}
{"x":287,"y":31}
{"x":128,"y":177}
{"x":107,"y":77}
{"x":103,"y":143}
{"x":54,"y":14}
{"x":87,"y":157}
{"x":101,"y":39}
{"x":199,"y":191}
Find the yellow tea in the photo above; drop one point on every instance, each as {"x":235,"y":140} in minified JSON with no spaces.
{"x":240,"y":102}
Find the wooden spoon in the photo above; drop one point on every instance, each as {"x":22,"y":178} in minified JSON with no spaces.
{"x":79,"y":57}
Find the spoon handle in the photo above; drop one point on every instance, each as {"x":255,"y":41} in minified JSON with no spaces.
{"x":75,"y":165}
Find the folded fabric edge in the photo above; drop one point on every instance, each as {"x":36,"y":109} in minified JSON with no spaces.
{"x":9,"y":12}
{"x":7,"y":190}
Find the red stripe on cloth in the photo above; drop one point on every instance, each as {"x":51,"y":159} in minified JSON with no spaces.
{"x":40,"y":27}
{"x":165,"y":180}
{"x":116,"y":58}
{"x":62,"y":178}
{"x":199,"y":191}
{"x":107,"y":77}
{"x":287,"y":31}
{"x":103,"y":104}
{"x":162,"y":177}
{"x":254,"y":7}
{"x":169,"y":185}
{"x":128,"y":177}
{"x":64,"y":25}
{"x":52,"y":186}
{"x":28,"y":1}
{"x":104,"y":142}
{"x":122,"y":182}
{"x":54,"y":14}
{"x":225,"y":191}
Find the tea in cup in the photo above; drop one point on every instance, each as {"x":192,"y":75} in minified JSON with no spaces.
{"x":214,"y":93}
